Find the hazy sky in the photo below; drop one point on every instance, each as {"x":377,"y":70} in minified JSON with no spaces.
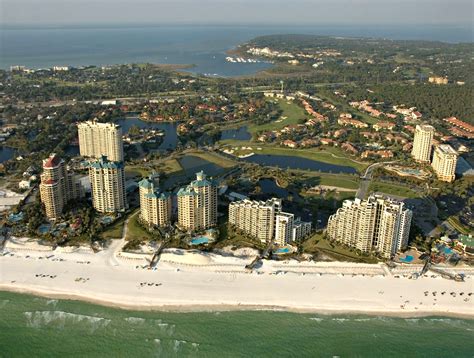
{"x":265,"y":12}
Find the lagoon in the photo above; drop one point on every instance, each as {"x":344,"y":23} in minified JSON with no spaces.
{"x":170,"y":140}
{"x":6,"y":153}
{"x":236,"y":133}
{"x":293,"y":162}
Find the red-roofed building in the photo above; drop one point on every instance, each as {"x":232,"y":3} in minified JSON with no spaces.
{"x":383,"y":125}
{"x":461,"y":124}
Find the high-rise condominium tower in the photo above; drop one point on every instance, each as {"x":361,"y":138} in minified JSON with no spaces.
{"x":422,"y":142}
{"x":58,"y":186}
{"x":197,"y":204}
{"x":155,"y":207}
{"x":265,"y":221}
{"x":378,"y":223}
{"x":108,"y":185}
{"x":100,"y":139}
{"x":444,"y":162}
{"x":255,"y":218}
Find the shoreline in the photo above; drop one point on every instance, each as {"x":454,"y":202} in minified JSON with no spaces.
{"x":195,"y":281}
{"x":195,"y":308}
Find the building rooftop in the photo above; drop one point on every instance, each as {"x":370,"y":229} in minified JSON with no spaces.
{"x":446,"y":149}
{"x":104,"y":163}
{"x":51,"y":162}
{"x":425,"y":127}
{"x":145,"y":183}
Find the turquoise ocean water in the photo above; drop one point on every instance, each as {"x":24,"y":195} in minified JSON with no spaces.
{"x":40,"y":327}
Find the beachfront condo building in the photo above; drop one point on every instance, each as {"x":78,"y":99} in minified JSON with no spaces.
{"x":155,"y":206}
{"x":379,"y":223}
{"x":284,"y":223}
{"x":301,"y":229}
{"x":58,"y":186}
{"x":422,"y":143}
{"x":265,"y":221}
{"x":255,"y":218}
{"x":197,"y":204}
{"x":100,"y":139}
{"x":444,"y":162}
{"x":107,"y":185}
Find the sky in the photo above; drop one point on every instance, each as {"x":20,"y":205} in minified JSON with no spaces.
{"x":235,"y":12}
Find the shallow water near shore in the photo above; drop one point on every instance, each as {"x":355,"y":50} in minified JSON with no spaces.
{"x":34,"y":326}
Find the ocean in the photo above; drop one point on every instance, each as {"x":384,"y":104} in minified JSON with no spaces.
{"x":203,"y":46}
{"x":39,"y":327}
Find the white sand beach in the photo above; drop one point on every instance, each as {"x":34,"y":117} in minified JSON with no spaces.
{"x":185,"y":280}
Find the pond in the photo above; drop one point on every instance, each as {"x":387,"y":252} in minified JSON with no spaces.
{"x":236,"y":133}
{"x":293,"y":162}
{"x":72,"y":150}
{"x":269,"y":186}
{"x":170,"y":139}
{"x":192,"y":164}
{"x":6,"y":153}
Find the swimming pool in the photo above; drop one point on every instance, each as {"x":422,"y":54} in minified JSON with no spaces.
{"x":448,"y":251}
{"x":283,"y":250}
{"x":407,"y":258}
{"x":200,"y":240}
{"x":106,"y":220}
{"x":44,"y":228}
{"x":15,"y":217}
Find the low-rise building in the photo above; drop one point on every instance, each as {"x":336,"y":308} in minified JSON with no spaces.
{"x":382,"y":125}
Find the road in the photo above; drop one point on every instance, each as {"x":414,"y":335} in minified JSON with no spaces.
{"x":367,"y":178}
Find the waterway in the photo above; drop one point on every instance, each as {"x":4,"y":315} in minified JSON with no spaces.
{"x":293,"y":162}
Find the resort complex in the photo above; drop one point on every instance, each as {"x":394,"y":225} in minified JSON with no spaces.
{"x":265,"y":221}
{"x":58,"y":186}
{"x":100,"y":139}
{"x":197,"y":204}
{"x":380,"y":224}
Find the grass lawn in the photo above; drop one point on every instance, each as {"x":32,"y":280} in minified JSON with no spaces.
{"x":329,"y":155}
{"x":136,"y":170}
{"x":292,"y":114}
{"x":338,"y":180}
{"x":392,"y":189}
{"x":135,"y":230}
{"x":170,"y":166}
{"x":114,"y":231}
{"x":214,"y":158}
